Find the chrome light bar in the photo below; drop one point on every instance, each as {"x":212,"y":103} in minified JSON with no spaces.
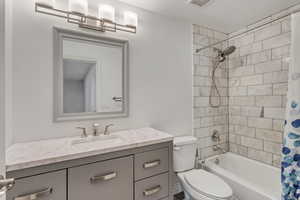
{"x":89,"y":22}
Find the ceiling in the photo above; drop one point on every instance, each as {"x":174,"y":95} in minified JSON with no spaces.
{"x":223,"y":15}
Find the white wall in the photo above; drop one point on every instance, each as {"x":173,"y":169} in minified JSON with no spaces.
{"x":160,"y":75}
{"x":2,"y":91}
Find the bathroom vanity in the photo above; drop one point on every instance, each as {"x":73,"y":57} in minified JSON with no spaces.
{"x":136,"y":167}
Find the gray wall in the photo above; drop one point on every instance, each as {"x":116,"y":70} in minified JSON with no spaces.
{"x":160,"y":74}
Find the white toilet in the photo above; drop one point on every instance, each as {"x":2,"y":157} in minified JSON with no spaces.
{"x":197,"y":184}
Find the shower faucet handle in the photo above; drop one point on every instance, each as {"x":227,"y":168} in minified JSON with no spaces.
{"x":216,"y":137}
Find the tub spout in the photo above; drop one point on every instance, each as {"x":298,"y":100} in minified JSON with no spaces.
{"x":218,"y":148}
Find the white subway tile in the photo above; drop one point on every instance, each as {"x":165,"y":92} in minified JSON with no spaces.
{"x":260,"y":122}
{"x":238,"y":91}
{"x":281,"y":40}
{"x":268,"y":101}
{"x":238,"y":120}
{"x":268,"y":32}
{"x":281,"y":52}
{"x":260,"y":90}
{"x":259,"y":57}
{"x":275,"y":113}
{"x":251,"y":111}
{"x":278,"y":125}
{"x":245,"y":131}
{"x":269,"y":135}
{"x":272,"y":147}
{"x":252,"y":142}
{"x":242,"y":101}
{"x":286,"y":25}
{"x":252,"y":80}
{"x":201,"y":101}
{"x":241,"y":71}
{"x":260,"y":156}
{"x":270,"y":66}
{"x":280,"y":77}
{"x":277,"y":161}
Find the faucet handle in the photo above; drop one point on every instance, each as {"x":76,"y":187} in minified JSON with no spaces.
{"x":84,"y":133}
{"x":106,"y":129}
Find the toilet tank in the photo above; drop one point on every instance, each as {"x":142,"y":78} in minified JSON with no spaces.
{"x":184,"y":153}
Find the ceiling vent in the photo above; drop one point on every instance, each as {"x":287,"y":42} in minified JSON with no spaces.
{"x":198,"y":2}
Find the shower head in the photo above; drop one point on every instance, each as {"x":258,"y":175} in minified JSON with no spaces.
{"x":222,"y":54}
{"x":229,"y":50}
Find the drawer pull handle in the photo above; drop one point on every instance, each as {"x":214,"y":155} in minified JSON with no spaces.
{"x":105,"y":177}
{"x":35,"y":195}
{"x":151,"y":164}
{"x":152,"y":191}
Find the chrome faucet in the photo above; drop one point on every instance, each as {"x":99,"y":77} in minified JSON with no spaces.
{"x":218,"y":148}
{"x":216,"y":137}
{"x":106,"y":129}
{"x":95,"y":129}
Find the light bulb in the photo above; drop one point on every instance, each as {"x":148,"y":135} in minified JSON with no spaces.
{"x":130,"y":19}
{"x":106,"y":12}
{"x":47,"y":3}
{"x":78,"y":6}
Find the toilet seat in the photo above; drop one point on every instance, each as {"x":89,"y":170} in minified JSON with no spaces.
{"x":207,"y":185}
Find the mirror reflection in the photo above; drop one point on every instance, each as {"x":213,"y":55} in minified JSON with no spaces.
{"x":92,"y":77}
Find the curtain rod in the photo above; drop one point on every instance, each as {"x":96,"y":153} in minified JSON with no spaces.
{"x":249,"y":30}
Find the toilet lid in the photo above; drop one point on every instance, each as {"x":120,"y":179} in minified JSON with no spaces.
{"x":208,"y":184}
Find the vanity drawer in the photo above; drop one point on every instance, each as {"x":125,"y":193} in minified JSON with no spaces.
{"x":153,"y":188}
{"x":112,"y":179}
{"x":50,"y":186}
{"x":151,"y":163}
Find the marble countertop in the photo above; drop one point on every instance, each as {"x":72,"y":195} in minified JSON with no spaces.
{"x":32,"y":154}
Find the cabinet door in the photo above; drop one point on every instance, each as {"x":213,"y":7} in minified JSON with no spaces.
{"x":153,"y":188}
{"x":50,"y":186}
{"x":108,"y":180}
{"x":151,"y":163}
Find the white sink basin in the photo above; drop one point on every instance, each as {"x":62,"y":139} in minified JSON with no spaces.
{"x":107,"y":139}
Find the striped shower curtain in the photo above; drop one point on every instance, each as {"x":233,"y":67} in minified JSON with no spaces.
{"x":290,"y":176}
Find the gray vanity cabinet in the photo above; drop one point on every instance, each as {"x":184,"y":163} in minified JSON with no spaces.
{"x":143,"y":173}
{"x":107,"y":180}
{"x":49,"y":186}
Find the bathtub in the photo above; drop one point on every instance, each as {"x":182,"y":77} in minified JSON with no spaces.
{"x":249,"y":179}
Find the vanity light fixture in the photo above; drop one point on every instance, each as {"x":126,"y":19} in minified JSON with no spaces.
{"x":78,"y":14}
{"x":106,"y":12}
{"x":130,"y":19}
{"x":79,"y":7}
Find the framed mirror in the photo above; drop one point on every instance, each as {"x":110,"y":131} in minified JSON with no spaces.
{"x":90,"y":76}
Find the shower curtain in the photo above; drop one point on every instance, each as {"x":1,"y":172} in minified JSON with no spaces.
{"x":290,"y":176}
